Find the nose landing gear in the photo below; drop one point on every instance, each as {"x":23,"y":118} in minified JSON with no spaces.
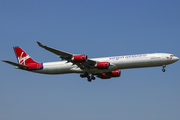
{"x":163,"y":68}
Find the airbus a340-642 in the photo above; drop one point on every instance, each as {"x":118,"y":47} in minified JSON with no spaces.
{"x":104,"y":68}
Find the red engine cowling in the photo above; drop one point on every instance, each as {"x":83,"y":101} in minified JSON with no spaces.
{"x":108,"y":75}
{"x":115,"y":73}
{"x":102,"y":65}
{"x":79,"y":58}
{"x":104,"y":76}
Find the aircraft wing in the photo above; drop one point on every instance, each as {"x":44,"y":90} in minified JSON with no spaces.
{"x":63,"y":55}
{"x":16,"y":64}
{"x":68,"y":56}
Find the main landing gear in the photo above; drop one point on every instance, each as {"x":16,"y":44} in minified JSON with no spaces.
{"x":89,"y":78}
{"x":163,"y":68}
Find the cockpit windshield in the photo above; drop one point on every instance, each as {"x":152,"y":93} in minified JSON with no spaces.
{"x":171,"y":55}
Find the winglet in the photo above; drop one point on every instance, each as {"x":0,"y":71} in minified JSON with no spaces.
{"x":40,"y":44}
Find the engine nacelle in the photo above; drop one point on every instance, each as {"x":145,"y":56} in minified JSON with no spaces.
{"x":115,"y":73}
{"x":104,"y":76}
{"x":102,"y":65}
{"x":108,"y":75}
{"x":79,"y":58}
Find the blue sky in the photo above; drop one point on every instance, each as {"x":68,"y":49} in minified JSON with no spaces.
{"x":98,"y":28}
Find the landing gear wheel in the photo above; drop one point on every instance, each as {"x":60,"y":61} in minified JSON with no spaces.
{"x":81,"y":75}
{"x":84,"y":75}
{"x":163,"y":68}
{"x":89,"y":79}
{"x":92,"y":77}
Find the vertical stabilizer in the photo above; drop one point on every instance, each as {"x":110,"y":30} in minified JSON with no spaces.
{"x":24,"y":59}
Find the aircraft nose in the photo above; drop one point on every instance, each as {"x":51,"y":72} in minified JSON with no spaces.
{"x":176,"y":58}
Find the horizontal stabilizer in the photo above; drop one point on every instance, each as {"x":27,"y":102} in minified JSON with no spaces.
{"x":16,"y":64}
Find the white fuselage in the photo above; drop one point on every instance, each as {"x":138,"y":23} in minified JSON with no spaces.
{"x":117,"y":62}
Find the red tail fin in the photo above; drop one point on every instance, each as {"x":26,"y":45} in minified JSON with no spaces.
{"x":24,"y":59}
{"x":22,"y":56}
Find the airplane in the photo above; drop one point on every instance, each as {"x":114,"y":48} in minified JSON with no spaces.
{"x":104,"y":68}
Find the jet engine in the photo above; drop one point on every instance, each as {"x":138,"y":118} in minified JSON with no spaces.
{"x":103,"y":76}
{"x":115,"y":73}
{"x":102,"y":65}
{"x":108,"y":75}
{"x":79,"y":58}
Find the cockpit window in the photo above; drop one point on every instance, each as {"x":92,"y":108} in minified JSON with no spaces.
{"x":171,"y":55}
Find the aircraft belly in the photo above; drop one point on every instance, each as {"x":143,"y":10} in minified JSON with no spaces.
{"x":95,"y":70}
